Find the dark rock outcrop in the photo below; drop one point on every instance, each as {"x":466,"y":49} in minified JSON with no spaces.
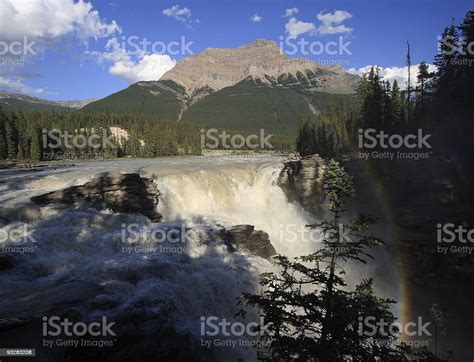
{"x":25,"y":305}
{"x":128,"y":193}
{"x":15,"y":164}
{"x":245,"y":237}
{"x":302,"y":180}
{"x":6,"y":262}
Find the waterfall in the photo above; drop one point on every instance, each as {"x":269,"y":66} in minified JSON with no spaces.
{"x":78,"y":245}
{"x":241,"y":196}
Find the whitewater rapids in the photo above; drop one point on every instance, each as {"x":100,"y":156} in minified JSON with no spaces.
{"x":78,"y":245}
{"x":72,"y":244}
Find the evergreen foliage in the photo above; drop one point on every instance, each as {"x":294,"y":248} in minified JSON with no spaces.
{"x":25,"y":135}
{"x":311,"y":312}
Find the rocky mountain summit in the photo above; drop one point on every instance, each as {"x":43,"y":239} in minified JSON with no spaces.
{"x":247,"y":88}
{"x":24,"y":102}
{"x":262,"y":61}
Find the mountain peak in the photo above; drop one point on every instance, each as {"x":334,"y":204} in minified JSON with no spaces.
{"x":254,"y":85}
{"x":23,"y":101}
{"x":218,"y":68}
{"x":260,"y":43}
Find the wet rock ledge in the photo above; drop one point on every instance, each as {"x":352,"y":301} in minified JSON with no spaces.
{"x":127,"y":193}
{"x":245,"y":237}
{"x":302,"y":180}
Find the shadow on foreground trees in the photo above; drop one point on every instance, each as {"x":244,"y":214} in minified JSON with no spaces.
{"x":310,"y":311}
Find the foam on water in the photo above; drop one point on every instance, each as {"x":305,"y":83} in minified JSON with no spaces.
{"x":79,"y":244}
{"x":231,"y":197}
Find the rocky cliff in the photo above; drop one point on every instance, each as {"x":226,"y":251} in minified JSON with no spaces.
{"x":262,"y":61}
{"x":120,"y":193}
{"x":302,"y":180}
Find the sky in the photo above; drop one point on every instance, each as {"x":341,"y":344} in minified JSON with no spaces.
{"x":71,"y":49}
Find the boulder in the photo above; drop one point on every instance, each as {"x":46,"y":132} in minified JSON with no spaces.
{"x":6,"y":262}
{"x":245,"y":237}
{"x":302,"y":180}
{"x":15,"y":164}
{"x":127,"y":193}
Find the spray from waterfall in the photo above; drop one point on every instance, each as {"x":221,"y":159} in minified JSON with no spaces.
{"x":244,"y":196}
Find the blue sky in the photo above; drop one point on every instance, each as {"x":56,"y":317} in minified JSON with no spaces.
{"x":79,"y":53}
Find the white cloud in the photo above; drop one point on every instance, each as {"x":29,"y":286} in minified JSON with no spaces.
{"x":179,"y":13}
{"x":114,"y":52}
{"x":294,"y":27}
{"x":256,"y":18}
{"x":51,"y":19}
{"x":150,"y":67}
{"x":144,"y":67}
{"x":42,"y":23}
{"x":394,"y":73}
{"x":332,"y":22}
{"x":16,"y":85}
{"x":290,"y":12}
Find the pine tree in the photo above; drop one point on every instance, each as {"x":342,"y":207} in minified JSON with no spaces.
{"x":388,"y":106}
{"x":370,"y":92}
{"x":309,"y":311}
{"x":35,"y":149}
{"x":445,"y":61}
{"x":3,"y":136}
{"x":409,"y":89}
{"x":396,"y":100}
{"x":466,"y":63}
{"x":23,"y":142}
{"x":303,"y":143}
{"x":423,"y":77}
{"x":12,"y":137}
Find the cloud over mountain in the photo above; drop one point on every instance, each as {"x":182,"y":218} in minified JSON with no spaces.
{"x":143,"y":67}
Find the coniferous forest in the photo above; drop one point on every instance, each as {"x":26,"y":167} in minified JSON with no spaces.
{"x":24,"y":135}
{"x":441,"y":101}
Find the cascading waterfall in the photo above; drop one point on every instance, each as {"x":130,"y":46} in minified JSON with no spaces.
{"x":79,"y":247}
{"x":244,"y":196}
{"x":79,"y":254}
